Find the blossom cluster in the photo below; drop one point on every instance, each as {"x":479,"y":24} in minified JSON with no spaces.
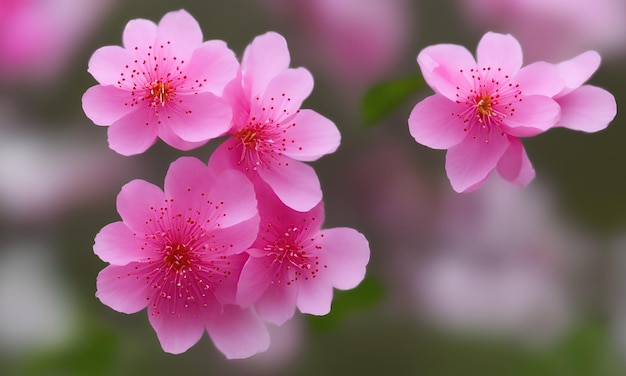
{"x":229,"y":245}
{"x":482,"y":107}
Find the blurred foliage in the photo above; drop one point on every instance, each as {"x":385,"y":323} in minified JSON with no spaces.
{"x":384,"y":98}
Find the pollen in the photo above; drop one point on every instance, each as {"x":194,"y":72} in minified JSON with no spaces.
{"x":177,"y":257}
{"x":483,"y":106}
{"x":159,"y":93}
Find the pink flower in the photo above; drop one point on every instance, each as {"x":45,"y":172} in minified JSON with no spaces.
{"x":164,"y":82}
{"x":584,"y":108}
{"x":482,"y":106}
{"x":295,"y":264}
{"x":39,"y":39}
{"x":179,"y":253}
{"x":270,"y":134}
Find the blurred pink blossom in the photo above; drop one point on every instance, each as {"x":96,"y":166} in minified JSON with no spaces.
{"x":482,"y":106}
{"x":164,"y":83}
{"x":271,"y":135}
{"x":355,"y":41}
{"x":39,"y":38}
{"x":178,"y":252}
{"x":505,"y":264}
{"x":293,"y":263}
{"x":554,"y":29}
{"x":43,"y":176}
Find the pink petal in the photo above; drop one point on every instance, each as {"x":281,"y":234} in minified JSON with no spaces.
{"x":433,"y":122}
{"x":118,"y":245}
{"x":471,"y":161}
{"x":124,"y":288}
{"x":197,"y":117}
{"x":138,"y":35}
{"x":346,"y":253}
{"x":226,"y":155}
{"x":295,"y":183}
{"x":182,"y":30}
{"x":231,"y":266}
{"x":284,"y":94}
{"x":178,"y":327}
{"x":263,"y":60}
{"x":310,"y":136}
{"x":578,"y":69}
{"x":233,"y":198}
{"x":104,"y":105}
{"x":587,"y":109}
{"x":444,"y":67}
{"x":236,"y":238}
{"x":169,"y":137}
{"x":314,"y":296}
{"x":514,"y":166}
{"x":540,"y":78}
{"x":188,"y":181}
{"x":533,"y":114}
{"x":107,"y":63}
{"x":137,"y":202}
{"x":216,"y":63}
{"x":133,"y":134}
{"x":278,"y":303}
{"x":255,"y":277}
{"x":238,"y":333}
{"x":500,"y":51}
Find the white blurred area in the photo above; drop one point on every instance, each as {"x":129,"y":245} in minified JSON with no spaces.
{"x":37,"y":311}
{"x":505,"y":264}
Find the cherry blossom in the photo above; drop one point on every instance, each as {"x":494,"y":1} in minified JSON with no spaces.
{"x":178,"y":252}
{"x":270,"y":134}
{"x":164,"y":82}
{"x":481,"y":107}
{"x":293,"y":263}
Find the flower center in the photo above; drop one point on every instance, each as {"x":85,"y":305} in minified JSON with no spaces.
{"x":160,"y":92}
{"x":177,"y":257}
{"x":483,"y":106}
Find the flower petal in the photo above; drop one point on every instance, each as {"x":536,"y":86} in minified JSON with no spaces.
{"x":278,"y":303}
{"x":540,"y":78}
{"x":445,"y":67}
{"x":188,"y":180}
{"x":587,"y":109}
{"x":138,"y":202}
{"x":214,"y":65}
{"x":124,"y":288}
{"x":534,"y":114}
{"x":284,"y":94}
{"x":197,"y":118}
{"x":514,"y":166}
{"x":263,"y":60}
{"x":500,"y":51}
{"x":346,"y":252}
{"x":579,"y":69}
{"x":255,"y":277}
{"x":118,"y":245}
{"x":138,"y":35}
{"x":169,"y":137}
{"x":471,"y":161}
{"x":182,"y":30}
{"x":107,"y":63}
{"x":314,"y":296}
{"x":104,"y":105}
{"x":238,"y":333}
{"x":233,"y":199}
{"x":310,"y":136}
{"x":295,"y":183}
{"x":433,"y":122}
{"x":133,"y":134}
{"x":177,"y":326}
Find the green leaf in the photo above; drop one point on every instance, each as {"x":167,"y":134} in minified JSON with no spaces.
{"x":382,"y":99}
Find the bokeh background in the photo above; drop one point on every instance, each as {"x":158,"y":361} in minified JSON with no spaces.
{"x":502,"y":281}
